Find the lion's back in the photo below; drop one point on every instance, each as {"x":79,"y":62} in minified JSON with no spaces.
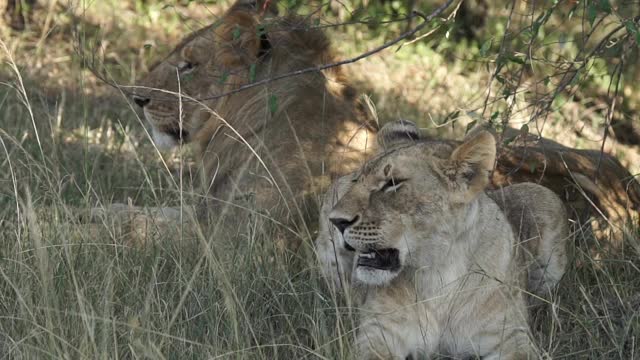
{"x":539,"y":221}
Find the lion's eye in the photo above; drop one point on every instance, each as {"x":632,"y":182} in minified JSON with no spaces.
{"x":185,"y":67}
{"x":392,"y":184}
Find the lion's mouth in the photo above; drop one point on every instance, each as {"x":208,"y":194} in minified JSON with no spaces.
{"x":381,"y":259}
{"x":178,"y":134}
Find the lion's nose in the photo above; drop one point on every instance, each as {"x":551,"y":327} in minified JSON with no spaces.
{"x":141,"y":101}
{"x":342,"y":224}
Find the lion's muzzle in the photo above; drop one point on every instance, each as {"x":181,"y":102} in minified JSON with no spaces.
{"x":342,"y":223}
{"x":141,"y":101}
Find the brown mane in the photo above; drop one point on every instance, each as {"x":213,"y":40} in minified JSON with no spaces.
{"x":272,"y":148}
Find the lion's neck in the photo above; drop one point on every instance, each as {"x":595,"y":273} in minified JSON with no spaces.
{"x":478,"y":248}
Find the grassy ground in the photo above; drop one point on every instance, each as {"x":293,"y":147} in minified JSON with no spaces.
{"x":77,"y":292}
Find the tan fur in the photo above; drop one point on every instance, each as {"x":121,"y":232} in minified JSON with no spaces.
{"x":270,"y":147}
{"x":539,"y":221}
{"x":462,"y":277}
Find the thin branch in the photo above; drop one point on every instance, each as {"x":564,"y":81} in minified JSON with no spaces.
{"x":610,"y":112}
{"x":408,"y":34}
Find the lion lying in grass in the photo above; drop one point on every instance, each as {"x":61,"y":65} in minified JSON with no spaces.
{"x":271,"y":149}
{"x":442,"y":264}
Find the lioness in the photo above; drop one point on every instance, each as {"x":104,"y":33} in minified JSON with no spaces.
{"x":437,"y":260}
{"x":271,"y":147}
{"x":530,"y":209}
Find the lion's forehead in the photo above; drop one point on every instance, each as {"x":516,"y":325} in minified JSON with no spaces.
{"x":194,"y":39}
{"x":163,"y":72}
{"x":415,"y":162}
{"x":376,"y":164}
{"x":414,"y":158}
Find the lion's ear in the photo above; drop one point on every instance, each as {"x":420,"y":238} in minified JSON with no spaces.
{"x":468,"y":168}
{"x":241,"y":37}
{"x":397,"y":133}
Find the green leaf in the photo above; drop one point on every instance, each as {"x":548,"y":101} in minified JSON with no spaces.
{"x":536,"y":25}
{"x":576,"y":78}
{"x":572,"y":11}
{"x":605,"y":6}
{"x":516,"y":59}
{"x":236,"y":33}
{"x":470,"y":126}
{"x":216,"y":24}
{"x":224,"y":77}
{"x":541,"y":20}
{"x":252,"y":73}
{"x":187,"y":77}
{"x":632,"y":29}
{"x":524,"y":130}
{"x":438,"y":21}
{"x":484,"y":49}
{"x":509,"y":140}
{"x":450,"y":116}
{"x":592,"y":13}
{"x":273,"y":104}
{"x":631,"y":26}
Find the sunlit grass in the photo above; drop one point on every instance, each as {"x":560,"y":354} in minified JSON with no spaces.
{"x":74,"y":290}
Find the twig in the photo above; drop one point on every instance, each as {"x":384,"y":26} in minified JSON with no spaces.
{"x":410,"y":33}
{"x":610,"y":112}
{"x":451,"y":16}
{"x":426,"y":20}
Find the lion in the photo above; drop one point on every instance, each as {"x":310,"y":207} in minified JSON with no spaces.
{"x":531,"y":210}
{"x":271,"y":148}
{"x":443,"y":266}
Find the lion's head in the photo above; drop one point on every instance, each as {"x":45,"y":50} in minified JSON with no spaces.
{"x":275,"y":143}
{"x":402,"y":205}
{"x":208,"y":62}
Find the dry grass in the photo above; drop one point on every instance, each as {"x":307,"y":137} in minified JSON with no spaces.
{"x":68,"y":290}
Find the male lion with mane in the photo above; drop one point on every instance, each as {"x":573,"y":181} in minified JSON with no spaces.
{"x":442,"y":265}
{"x":271,"y":147}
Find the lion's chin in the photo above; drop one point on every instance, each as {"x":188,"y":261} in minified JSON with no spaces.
{"x":373,"y":276}
{"x":378,"y":267}
{"x":162,"y":140}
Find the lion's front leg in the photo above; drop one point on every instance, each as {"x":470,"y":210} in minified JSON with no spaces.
{"x":512,"y":355}
{"x":506,"y":343}
{"x":396,"y":330}
{"x":381,"y":342}
{"x":377,"y":343}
